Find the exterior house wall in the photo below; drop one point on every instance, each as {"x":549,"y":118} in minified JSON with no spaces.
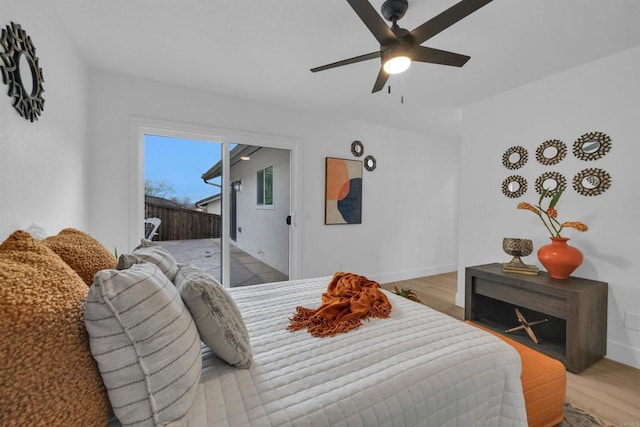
{"x":601,"y":96}
{"x":213,"y":207}
{"x":262,"y":231}
{"x":43,"y":164}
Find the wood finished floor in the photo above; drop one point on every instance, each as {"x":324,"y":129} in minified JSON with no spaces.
{"x":606,"y":389}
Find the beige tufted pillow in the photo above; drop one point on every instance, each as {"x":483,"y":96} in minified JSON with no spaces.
{"x":217,"y":317}
{"x":47,"y":374}
{"x":82,"y":252}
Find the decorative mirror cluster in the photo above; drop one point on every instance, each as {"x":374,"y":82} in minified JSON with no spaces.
{"x":551,"y":152}
{"x":588,"y":182}
{"x":591,"y":181}
{"x":592,"y":146}
{"x":357,"y":149}
{"x":515,"y":157}
{"x":21,"y":72}
{"x":553,"y":182}
{"x":370,"y":163}
{"x":514,"y":186}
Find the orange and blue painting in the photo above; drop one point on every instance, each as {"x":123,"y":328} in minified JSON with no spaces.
{"x":343,"y":191}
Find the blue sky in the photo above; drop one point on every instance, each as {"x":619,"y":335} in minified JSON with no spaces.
{"x":181,"y":163}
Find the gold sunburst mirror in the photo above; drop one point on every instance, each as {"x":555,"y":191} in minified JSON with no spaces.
{"x":514,"y":186}
{"x":21,"y":72}
{"x":515,"y":157}
{"x":551,"y":152}
{"x":552,"y":182}
{"x":591,"y":181}
{"x":592,"y":146}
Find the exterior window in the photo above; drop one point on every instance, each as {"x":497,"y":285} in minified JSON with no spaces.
{"x":265,"y":186}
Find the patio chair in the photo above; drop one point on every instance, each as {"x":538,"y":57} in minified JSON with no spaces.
{"x":151,"y":227}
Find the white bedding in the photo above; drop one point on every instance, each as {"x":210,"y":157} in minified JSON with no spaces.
{"x":416,"y":368}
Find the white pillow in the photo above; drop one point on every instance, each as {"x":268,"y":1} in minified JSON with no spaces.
{"x":36,"y":231}
{"x":152,"y":254}
{"x":146,"y":345}
{"x":219,"y":322}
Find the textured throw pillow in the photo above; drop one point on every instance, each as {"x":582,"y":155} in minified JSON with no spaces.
{"x":146,"y":345}
{"x":47,"y":374}
{"x":82,"y":252}
{"x":151,"y":253}
{"x":217,"y":317}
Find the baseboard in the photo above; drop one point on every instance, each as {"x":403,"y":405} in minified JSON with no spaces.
{"x":624,"y":354}
{"x":460,"y":299}
{"x":412,"y":274}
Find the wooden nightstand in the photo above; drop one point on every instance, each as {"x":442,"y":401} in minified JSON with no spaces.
{"x":576,"y":333}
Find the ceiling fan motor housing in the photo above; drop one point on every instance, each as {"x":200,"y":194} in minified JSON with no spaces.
{"x":393,"y":10}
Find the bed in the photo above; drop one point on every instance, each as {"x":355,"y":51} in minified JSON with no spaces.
{"x":416,"y":368}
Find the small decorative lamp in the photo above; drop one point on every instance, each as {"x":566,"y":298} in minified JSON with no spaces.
{"x":517,"y":248}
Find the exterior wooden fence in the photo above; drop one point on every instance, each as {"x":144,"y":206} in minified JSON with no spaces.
{"x":183,"y":224}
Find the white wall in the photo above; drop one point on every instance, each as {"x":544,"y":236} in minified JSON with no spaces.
{"x":409,"y":206}
{"x":601,"y":96}
{"x":43,"y":167}
{"x":264,"y":233}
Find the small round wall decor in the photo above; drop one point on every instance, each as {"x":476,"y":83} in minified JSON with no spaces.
{"x":357,"y":149}
{"x":551,"y":152}
{"x":592,"y":146}
{"x":515,"y":157}
{"x":591,"y":181}
{"x":514,"y":186}
{"x":21,"y":72}
{"x":370,"y":163}
{"x":552,"y":182}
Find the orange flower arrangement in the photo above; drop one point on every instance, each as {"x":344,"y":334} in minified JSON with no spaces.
{"x":549,"y":216}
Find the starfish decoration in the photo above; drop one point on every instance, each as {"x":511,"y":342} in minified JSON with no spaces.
{"x":526,"y":326}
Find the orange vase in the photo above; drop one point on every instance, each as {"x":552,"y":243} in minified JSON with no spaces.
{"x":559,"y":259}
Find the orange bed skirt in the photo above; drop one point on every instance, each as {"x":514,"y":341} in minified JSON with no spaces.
{"x":544,"y":384}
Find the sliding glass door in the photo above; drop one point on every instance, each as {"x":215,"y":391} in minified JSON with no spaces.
{"x":224,"y":206}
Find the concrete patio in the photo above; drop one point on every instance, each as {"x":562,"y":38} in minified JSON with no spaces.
{"x":205,"y":254}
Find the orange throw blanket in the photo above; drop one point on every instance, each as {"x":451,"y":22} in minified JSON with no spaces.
{"x":349,"y":299}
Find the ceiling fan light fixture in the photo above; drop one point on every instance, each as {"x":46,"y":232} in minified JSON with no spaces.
{"x":396,"y":59}
{"x":397,"y":64}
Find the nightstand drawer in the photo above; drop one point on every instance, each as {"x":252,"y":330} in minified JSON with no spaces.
{"x":520,"y":297}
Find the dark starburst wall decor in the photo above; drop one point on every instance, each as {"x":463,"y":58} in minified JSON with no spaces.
{"x":550,"y":183}
{"x":592,"y":146}
{"x":514,"y":186}
{"x":357,"y":148}
{"x":21,"y":72}
{"x":591,"y":181}
{"x":515,"y":157}
{"x":551,"y":152}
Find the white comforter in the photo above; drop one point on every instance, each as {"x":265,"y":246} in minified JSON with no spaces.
{"x":416,"y":368}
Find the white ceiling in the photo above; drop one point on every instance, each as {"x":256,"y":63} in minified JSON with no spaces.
{"x":263,"y":49}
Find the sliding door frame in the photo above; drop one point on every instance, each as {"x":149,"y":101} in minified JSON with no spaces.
{"x":141,"y":126}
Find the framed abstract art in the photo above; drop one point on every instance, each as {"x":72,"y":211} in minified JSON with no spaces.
{"x":343,"y":191}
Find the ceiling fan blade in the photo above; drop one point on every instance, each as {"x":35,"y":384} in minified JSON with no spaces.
{"x":445,"y":19}
{"x":373,"y":21}
{"x":380,"y":81}
{"x":437,"y":56}
{"x":353,"y":60}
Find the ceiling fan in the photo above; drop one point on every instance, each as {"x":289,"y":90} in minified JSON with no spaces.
{"x":399,"y":47}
